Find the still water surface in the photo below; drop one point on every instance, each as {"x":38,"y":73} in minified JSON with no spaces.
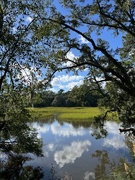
{"x":77,"y":154}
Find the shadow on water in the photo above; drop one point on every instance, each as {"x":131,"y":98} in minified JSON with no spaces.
{"x":17,"y":141}
{"x":14,"y":168}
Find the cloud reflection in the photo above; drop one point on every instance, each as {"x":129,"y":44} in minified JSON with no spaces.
{"x":70,"y":153}
{"x":117,"y":140}
{"x":67,"y":130}
{"x":114,"y":142}
{"x":112,"y":127}
{"x":40,"y":128}
{"x":89,"y":175}
{"x":51,"y":147}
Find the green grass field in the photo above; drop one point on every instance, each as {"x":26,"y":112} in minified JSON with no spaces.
{"x":67,"y":113}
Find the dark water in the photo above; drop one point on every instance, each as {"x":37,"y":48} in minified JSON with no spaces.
{"x":74,"y":152}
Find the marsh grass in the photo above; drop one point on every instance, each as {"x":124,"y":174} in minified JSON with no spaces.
{"x":40,"y":114}
{"x":82,"y":114}
{"x":65,"y":113}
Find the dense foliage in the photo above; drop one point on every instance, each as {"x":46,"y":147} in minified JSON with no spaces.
{"x":94,"y":22}
{"x":78,"y":96}
{"x":17,"y":55}
{"x":35,"y":38}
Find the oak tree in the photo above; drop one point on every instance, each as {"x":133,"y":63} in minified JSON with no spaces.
{"x":98,"y":23}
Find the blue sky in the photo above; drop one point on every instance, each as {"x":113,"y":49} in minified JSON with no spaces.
{"x":67,"y":81}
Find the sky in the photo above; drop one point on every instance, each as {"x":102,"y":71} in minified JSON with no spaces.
{"x":66,"y":81}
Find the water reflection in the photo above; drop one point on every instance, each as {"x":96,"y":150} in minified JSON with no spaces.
{"x":110,"y":169}
{"x":89,"y":175}
{"x":66,"y":130}
{"x":75,"y":153}
{"x":70,"y":153}
{"x":14,"y":168}
{"x":17,"y":140}
{"x":115,"y":139}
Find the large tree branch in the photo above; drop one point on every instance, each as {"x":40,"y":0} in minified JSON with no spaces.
{"x":13,"y":49}
{"x":112,"y":18}
{"x":119,"y":73}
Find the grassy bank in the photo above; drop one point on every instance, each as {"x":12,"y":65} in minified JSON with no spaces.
{"x":82,"y":114}
{"x":65,"y":113}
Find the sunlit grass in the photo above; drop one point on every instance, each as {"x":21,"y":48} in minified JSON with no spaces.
{"x":65,"y":113}
{"x":40,"y":113}
{"x":69,"y":113}
{"x":79,"y":113}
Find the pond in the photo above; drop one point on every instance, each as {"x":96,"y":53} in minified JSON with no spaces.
{"x":75,"y":151}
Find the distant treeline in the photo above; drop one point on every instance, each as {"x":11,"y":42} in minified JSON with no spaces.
{"x":66,"y":99}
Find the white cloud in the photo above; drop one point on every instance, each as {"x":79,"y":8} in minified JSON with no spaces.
{"x":27,"y":73}
{"x":72,"y":84}
{"x":71,"y":57}
{"x":55,"y":81}
{"x":83,"y":40}
{"x":66,"y":81}
{"x":68,"y":78}
{"x":29,"y":19}
{"x":14,"y":29}
{"x":46,"y":154}
{"x":67,"y":130}
{"x":86,"y":69}
{"x":70,"y":153}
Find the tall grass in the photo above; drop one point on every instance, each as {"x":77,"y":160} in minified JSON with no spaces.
{"x":65,"y":113}
{"x":69,"y":113}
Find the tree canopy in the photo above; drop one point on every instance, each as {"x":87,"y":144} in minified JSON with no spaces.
{"x":18,"y":70}
{"x":35,"y":38}
{"x":113,"y":65}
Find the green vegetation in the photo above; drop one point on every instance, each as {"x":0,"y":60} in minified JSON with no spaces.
{"x":110,"y":68}
{"x":69,"y":113}
{"x":34,"y":45}
{"x":78,"y":96}
{"x":79,"y":114}
{"x":72,"y":113}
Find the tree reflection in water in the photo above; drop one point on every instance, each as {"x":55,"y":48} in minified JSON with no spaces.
{"x":16,"y":139}
{"x":13,"y":165}
{"x":121,"y":170}
{"x":117,"y":171}
{"x":14,"y":168}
